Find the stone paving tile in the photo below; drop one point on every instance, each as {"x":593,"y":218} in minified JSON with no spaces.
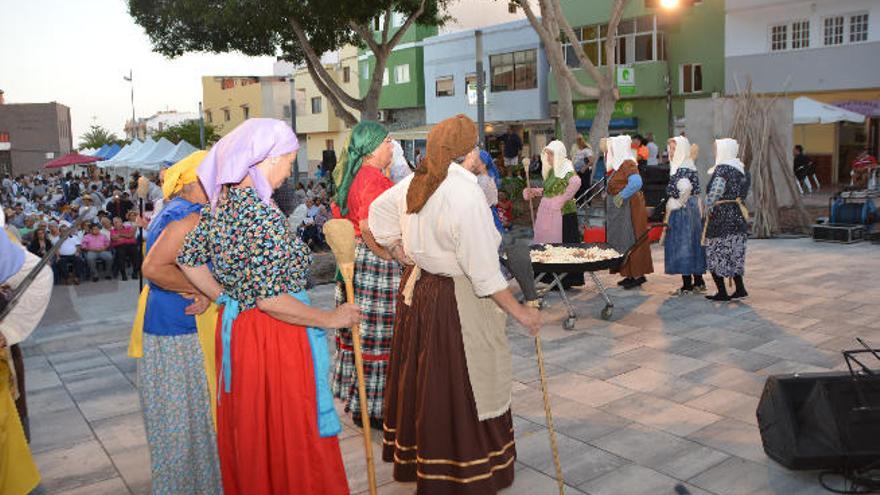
{"x":733,"y":437}
{"x":102,"y":393}
{"x":730,"y":378}
{"x":724,"y":337}
{"x":729,"y":404}
{"x":661,"y":414}
{"x":587,"y":391}
{"x":660,"y":451}
{"x":80,"y":465}
{"x":70,"y":362}
{"x":661,"y":361}
{"x":633,"y":479}
{"x":580,"y":462}
{"x":113,"y":486}
{"x":122,"y":438}
{"x":669,"y":387}
{"x":744,"y":360}
{"x":62,"y":428}
{"x":742,"y":477}
{"x":529,"y":481}
{"x":794,"y":349}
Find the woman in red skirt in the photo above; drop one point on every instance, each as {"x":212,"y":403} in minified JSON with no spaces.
{"x":276,"y":425}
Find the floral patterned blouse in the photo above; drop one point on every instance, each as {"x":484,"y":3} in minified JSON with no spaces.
{"x":252,"y":252}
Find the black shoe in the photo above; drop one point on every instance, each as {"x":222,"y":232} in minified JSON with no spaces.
{"x":124,"y":278}
{"x":721,"y":295}
{"x":94,"y":279}
{"x":375,"y":423}
{"x":108,"y":277}
{"x":740,"y":292}
{"x":739,"y":295}
{"x":635,"y":282}
{"x":625,"y":282}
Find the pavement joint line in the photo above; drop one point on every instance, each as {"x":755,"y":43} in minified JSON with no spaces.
{"x":89,"y":424}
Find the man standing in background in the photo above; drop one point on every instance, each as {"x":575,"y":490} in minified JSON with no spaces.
{"x":512,"y":147}
{"x":653,"y":150}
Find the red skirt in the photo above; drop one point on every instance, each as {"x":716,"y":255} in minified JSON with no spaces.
{"x":267,"y":426}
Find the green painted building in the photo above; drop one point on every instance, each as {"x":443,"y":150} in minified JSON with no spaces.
{"x":402,"y":100}
{"x":686,"y":45}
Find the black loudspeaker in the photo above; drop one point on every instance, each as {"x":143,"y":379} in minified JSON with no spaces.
{"x":821,"y":420}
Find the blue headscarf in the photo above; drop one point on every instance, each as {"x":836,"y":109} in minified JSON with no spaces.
{"x":491,"y":168}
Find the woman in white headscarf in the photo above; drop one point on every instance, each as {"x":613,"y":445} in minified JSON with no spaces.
{"x":626,"y":215}
{"x":684,"y":252}
{"x":556,"y":220}
{"x":726,"y":229}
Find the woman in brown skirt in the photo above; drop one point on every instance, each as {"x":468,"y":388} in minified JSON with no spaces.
{"x":626,"y":215}
{"x":447,"y":422}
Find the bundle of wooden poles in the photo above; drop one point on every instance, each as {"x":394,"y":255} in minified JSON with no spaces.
{"x":762,"y":149}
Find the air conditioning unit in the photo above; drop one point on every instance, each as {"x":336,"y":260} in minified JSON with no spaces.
{"x":384,"y":116}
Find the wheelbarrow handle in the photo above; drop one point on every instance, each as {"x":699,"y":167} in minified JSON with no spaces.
{"x":639,"y":240}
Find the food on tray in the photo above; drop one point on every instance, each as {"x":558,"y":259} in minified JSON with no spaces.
{"x":572,"y":255}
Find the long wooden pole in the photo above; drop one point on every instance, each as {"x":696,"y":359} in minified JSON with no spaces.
{"x":347,"y":271}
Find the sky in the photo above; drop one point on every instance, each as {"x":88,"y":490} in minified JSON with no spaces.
{"x":77,"y":53}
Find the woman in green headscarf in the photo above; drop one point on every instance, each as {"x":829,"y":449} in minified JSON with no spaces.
{"x":360,"y":177}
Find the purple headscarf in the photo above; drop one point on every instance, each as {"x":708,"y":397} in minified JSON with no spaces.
{"x":234,"y":156}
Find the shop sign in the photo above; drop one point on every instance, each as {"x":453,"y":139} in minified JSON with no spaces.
{"x":587,"y":109}
{"x":626,"y":80}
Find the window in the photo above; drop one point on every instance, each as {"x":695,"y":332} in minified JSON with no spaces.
{"x":246,"y":111}
{"x":397,"y":20}
{"x":445,"y":86}
{"x":328,"y":144}
{"x":501,"y":67}
{"x":226,"y":116}
{"x":638,"y":40}
{"x":401,"y":74}
{"x":833,"y":30}
{"x":346,"y":74}
{"x":691,"y":78}
{"x":779,"y":37}
{"x":511,"y":7}
{"x":316,"y":104}
{"x":514,"y":71}
{"x":208,"y":116}
{"x":365,"y":70}
{"x":385,"y":77}
{"x":858,"y":28}
{"x":525,"y":69}
{"x":800,"y":35}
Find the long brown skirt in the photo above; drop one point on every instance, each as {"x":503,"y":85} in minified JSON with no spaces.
{"x":431,"y":430}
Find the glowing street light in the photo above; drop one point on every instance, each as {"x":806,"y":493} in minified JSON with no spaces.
{"x":669,"y":4}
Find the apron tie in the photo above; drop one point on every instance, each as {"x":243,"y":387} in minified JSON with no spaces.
{"x":231,"y":309}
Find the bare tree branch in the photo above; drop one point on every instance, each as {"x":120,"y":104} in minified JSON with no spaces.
{"x":313,"y":61}
{"x":406,"y":25}
{"x":341,"y":111}
{"x":387,"y":27}
{"x":366,"y":34}
{"x":584,"y":60}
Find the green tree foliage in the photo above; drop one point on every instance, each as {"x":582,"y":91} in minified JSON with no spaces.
{"x":97,"y":136}
{"x":188,"y":131}
{"x":299,"y":31}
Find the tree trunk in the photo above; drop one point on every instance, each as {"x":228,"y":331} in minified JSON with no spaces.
{"x":371,"y":106}
{"x":566,"y":114}
{"x":604,"y":108}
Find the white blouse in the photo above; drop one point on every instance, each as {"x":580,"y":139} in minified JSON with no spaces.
{"x":453,"y":234}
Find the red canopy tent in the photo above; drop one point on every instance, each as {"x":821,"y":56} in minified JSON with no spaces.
{"x":73,"y":158}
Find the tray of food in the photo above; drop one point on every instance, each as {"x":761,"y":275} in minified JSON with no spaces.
{"x":574,"y":257}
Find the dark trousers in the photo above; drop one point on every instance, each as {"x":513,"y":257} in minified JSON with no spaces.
{"x":122,"y":256}
{"x":68,"y":264}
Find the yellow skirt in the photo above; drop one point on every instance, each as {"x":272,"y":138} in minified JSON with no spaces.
{"x":18,"y":473}
{"x":206,"y":324}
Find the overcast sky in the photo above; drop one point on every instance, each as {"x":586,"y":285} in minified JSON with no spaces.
{"x":77,"y":52}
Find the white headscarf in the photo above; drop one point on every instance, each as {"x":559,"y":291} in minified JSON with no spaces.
{"x":619,"y":151}
{"x":681,"y":156}
{"x":726,"y":151}
{"x":561,"y":165}
{"x":399,"y":166}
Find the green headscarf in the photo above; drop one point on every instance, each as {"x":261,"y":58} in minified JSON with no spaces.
{"x":365,"y":138}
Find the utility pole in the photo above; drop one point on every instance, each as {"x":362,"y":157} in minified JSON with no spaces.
{"x":293,"y":126}
{"x":130,"y":79}
{"x":201,"y":127}
{"x":481,"y":84}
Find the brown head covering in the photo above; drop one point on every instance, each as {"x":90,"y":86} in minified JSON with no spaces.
{"x":448,"y":140}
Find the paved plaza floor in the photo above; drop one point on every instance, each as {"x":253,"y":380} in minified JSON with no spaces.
{"x":664,"y":393}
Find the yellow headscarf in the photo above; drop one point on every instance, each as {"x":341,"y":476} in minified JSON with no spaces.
{"x":182,"y":173}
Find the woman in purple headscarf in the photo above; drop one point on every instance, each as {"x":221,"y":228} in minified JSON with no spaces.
{"x":276,"y":425}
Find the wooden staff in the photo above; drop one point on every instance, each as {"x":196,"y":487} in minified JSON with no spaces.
{"x":526,"y":163}
{"x":339,"y":234}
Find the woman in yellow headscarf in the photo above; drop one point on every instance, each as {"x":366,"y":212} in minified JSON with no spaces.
{"x":176,"y":374}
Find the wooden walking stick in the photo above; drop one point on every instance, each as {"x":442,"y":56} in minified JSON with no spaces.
{"x":339,"y":234}
{"x":519,"y":263}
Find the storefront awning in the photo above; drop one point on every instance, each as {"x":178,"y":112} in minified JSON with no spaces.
{"x":810,"y":111}
{"x":614,"y":125}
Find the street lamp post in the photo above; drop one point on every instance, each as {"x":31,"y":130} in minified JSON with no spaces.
{"x":130,"y":79}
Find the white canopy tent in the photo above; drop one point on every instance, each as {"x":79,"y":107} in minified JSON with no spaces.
{"x":180,"y":151}
{"x":127,"y":151}
{"x":810,"y":111}
{"x":152,"y":160}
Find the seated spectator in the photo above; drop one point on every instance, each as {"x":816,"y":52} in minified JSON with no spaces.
{"x":297,"y":217}
{"x":53,"y":233}
{"x":88,"y":211}
{"x":119,"y":205}
{"x":70,"y":263}
{"x":27,"y":230}
{"x":124,"y":246}
{"x":97,"y":247}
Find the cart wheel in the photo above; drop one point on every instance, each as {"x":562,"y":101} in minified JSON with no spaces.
{"x":542,"y":304}
{"x":569,"y":322}
{"x":607,"y":311}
